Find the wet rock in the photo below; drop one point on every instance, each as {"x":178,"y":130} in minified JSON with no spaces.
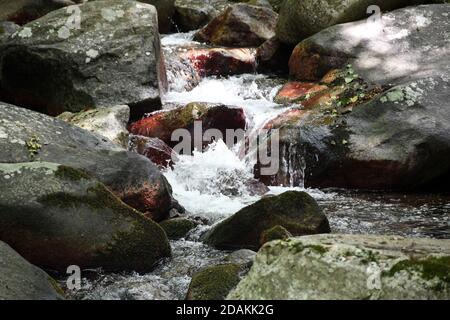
{"x":381,"y":124}
{"x":56,"y":216}
{"x":112,"y":57}
{"x":349,"y":267}
{"x":193,"y":63}
{"x":7,"y":28}
{"x":110,"y":122}
{"x":296,"y":211}
{"x":23,"y":281}
{"x":214,"y":282}
{"x":300,"y":19}
{"x":241,"y":25}
{"x":153,"y":148}
{"x":162,"y":124}
{"x":243,"y":257}
{"x":178,"y":227}
{"x":30,"y":136}
{"x":24,"y":11}
{"x":275,"y":233}
{"x":293,"y":92}
{"x":166,"y":10}
{"x":194,"y":14}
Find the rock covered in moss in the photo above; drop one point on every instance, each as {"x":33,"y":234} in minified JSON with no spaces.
{"x":349,"y":267}
{"x":301,"y":19}
{"x":21,"y":280}
{"x":56,"y":216}
{"x":96,"y":54}
{"x":240,"y":25}
{"x":109,"y":122}
{"x":275,"y":233}
{"x":214,"y":282}
{"x":382,"y":120}
{"x":296,"y":211}
{"x":194,"y":14}
{"x":177,"y":228}
{"x":26,"y":135}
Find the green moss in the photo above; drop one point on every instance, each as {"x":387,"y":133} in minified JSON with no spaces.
{"x":214,"y":282}
{"x":275,"y":233}
{"x":178,"y":227}
{"x":65,"y":172}
{"x":33,"y":146}
{"x":429,"y":268}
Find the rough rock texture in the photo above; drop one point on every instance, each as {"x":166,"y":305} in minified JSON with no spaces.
{"x":162,"y":124}
{"x":112,"y":57}
{"x":110,"y":122}
{"x":301,"y":19}
{"x":275,"y":233}
{"x":6,"y":29}
{"x":296,"y":211}
{"x":383,"y":122}
{"x":214,"y":282}
{"x":240,"y":25}
{"x":20,"y":280}
{"x":29,"y":136}
{"x":273,"y":57}
{"x":243,"y":257}
{"x":177,"y":228}
{"x":24,"y":11}
{"x":349,"y":267}
{"x":56,"y":216}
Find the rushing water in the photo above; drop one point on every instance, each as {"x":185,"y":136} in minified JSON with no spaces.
{"x":200,"y":183}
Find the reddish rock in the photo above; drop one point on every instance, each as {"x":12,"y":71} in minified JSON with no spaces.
{"x":222,"y":61}
{"x":240,"y":25}
{"x":293,"y":92}
{"x":153,"y":148}
{"x":162,"y":124}
{"x":291,"y":116}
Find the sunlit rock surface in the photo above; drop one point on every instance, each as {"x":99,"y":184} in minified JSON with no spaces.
{"x":354,"y":267}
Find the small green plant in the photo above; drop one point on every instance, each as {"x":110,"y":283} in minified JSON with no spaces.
{"x":33,"y":146}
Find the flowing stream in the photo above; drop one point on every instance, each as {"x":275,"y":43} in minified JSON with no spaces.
{"x":199,"y":182}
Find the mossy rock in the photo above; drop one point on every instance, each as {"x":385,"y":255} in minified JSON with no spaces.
{"x":274,"y":233}
{"x":295,"y":211}
{"x":349,"y":267}
{"x":56,"y":216}
{"x":214,"y":282}
{"x":178,"y":227}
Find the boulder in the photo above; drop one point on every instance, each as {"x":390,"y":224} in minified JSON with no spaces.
{"x":241,"y":25}
{"x":296,"y":211}
{"x":244,"y":257}
{"x":162,"y":124}
{"x":153,"y":148}
{"x":194,"y":14}
{"x":349,"y":267}
{"x":383,"y":122}
{"x":300,"y":19}
{"x":111,"y":56}
{"x":275,"y":233}
{"x":24,"y":11}
{"x":26,"y":135}
{"x":177,"y":228}
{"x":214,"y":282}
{"x":21,"y":280}
{"x":110,"y":122}
{"x":56,"y":216}
{"x":273,"y":57}
{"x":188,"y":65}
